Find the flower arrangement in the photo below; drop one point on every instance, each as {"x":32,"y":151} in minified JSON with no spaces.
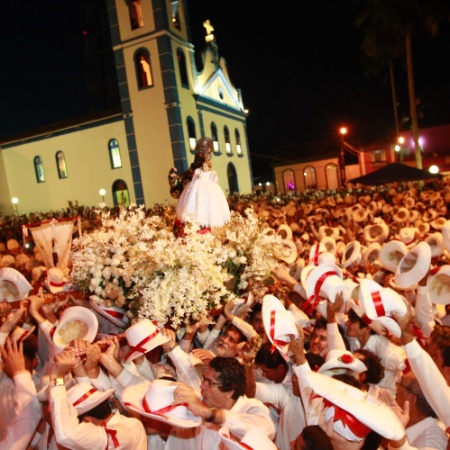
{"x":134,"y":261}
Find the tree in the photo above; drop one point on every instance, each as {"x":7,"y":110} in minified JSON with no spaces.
{"x":389,"y":27}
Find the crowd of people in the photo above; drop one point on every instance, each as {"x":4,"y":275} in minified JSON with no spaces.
{"x":350,"y":348}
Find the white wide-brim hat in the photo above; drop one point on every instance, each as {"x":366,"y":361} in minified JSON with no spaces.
{"x":285,"y":231}
{"x":446,"y":234}
{"x":370,"y":254}
{"x":19,"y":333}
{"x":253,"y":439}
{"x":295,"y":270}
{"x":55,"y":280}
{"x":423,"y":228}
{"x":408,"y":235}
{"x":76,"y":322}
{"x":114,"y":314}
{"x":338,"y":361}
{"x":378,"y":231}
{"x":375,"y":415}
{"x":383,"y":325}
{"x":316,"y":249}
{"x":413,"y":266}
{"x":326,"y":231}
{"x":438,"y":223}
{"x":288,"y":252}
{"x":14,"y":277}
{"x":330,"y":244}
{"x":154,"y":400}
{"x":438,"y":286}
{"x":360,"y":215}
{"x":352,"y":254}
{"x":142,"y":337}
{"x":85,"y":397}
{"x":391,"y":254}
{"x":436,"y":242}
{"x":279,"y":324}
{"x":325,"y":281}
{"x":402,"y":215}
{"x":379,"y":301}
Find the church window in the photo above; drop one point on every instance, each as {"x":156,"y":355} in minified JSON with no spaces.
{"x":143,"y":69}
{"x":61,"y":165}
{"x":182,"y":67}
{"x":238,"y":142}
{"x":39,"y":169}
{"x":191,"y":133}
{"x":114,"y":154}
{"x":226,"y":133}
{"x":135,"y":10}
{"x":215,"y":137}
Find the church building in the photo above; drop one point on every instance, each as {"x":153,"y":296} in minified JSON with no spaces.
{"x":123,"y":155}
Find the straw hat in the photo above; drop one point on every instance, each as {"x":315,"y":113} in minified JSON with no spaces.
{"x":15,"y":285}
{"x":252,"y":439}
{"x":438,"y":286}
{"x":55,"y":280}
{"x":352,"y":254}
{"x":341,"y":361}
{"x":429,"y":215}
{"x":279,"y":324}
{"x":353,"y":411}
{"x":326,"y":231}
{"x":154,"y":400}
{"x":414,"y":215}
{"x":114,"y":314}
{"x":360,"y":215}
{"x":76,"y":322}
{"x":85,"y":397}
{"x":409,"y":203}
{"x":423,"y":228}
{"x":142,"y":337}
{"x":413,"y":266}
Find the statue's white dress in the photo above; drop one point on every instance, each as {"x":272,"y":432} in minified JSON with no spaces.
{"x":203,"y":201}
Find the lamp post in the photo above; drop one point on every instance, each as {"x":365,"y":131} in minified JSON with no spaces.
{"x":102,"y":192}
{"x":14,"y":201}
{"x":398,"y":149}
{"x":343,"y":132}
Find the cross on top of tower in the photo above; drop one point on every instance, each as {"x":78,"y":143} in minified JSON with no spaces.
{"x":208,"y":27}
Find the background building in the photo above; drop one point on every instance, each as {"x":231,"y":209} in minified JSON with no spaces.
{"x":165,"y":102}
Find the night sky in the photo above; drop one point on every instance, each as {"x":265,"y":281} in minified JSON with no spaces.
{"x":298,"y":68}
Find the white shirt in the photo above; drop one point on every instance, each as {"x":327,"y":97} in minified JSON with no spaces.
{"x":72,"y":433}
{"x":428,"y":433}
{"x":28,"y":414}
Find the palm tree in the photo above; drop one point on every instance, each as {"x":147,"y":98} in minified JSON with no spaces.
{"x":389,"y":27}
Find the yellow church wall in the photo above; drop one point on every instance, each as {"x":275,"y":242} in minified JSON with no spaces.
{"x":88,"y":166}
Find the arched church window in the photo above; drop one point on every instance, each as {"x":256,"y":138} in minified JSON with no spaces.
{"x":215,"y":137}
{"x":143,"y":69}
{"x":226,"y":134}
{"x":135,"y":10}
{"x":191,"y":133}
{"x":114,"y":154}
{"x":238,"y":141}
{"x":182,"y":67}
{"x":61,"y":165}
{"x":39,"y":169}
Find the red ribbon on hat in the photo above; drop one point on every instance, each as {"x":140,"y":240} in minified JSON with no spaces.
{"x":139,"y":347}
{"x":355,"y":426}
{"x":275,"y":342}
{"x":52,"y":331}
{"x":84,"y":397}
{"x":22,"y":337}
{"x":116,"y":314}
{"x":378,"y":303}
{"x":310,"y":305}
{"x":161,"y":411}
{"x":366,"y":319}
{"x":435,"y":270}
{"x":316,"y":253}
{"x":52,"y":283}
{"x":111,"y":433}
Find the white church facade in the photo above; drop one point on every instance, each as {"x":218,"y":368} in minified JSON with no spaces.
{"x":124,"y":155}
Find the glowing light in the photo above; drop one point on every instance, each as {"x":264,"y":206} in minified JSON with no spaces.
{"x":343,"y":130}
{"x":397,"y":148}
{"x":15,"y":200}
{"x":102,"y":192}
{"x":268,"y":183}
{"x":401,"y":140}
{"x":434,"y":169}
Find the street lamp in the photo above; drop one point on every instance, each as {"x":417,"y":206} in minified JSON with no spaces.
{"x":14,"y":201}
{"x":343,"y":132}
{"x":102,"y":192}
{"x":398,"y":148}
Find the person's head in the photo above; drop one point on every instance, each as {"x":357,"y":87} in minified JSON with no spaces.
{"x":314,"y":360}
{"x":313,"y":437}
{"x":438,"y":348}
{"x":375,"y":370}
{"x":223,"y":382}
{"x":227,"y":345}
{"x":206,"y":166}
{"x":271,"y":363}
{"x":408,"y":389}
{"x":318,"y":341}
{"x":256,"y":320}
{"x":100,"y":412}
{"x":355,"y":325}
